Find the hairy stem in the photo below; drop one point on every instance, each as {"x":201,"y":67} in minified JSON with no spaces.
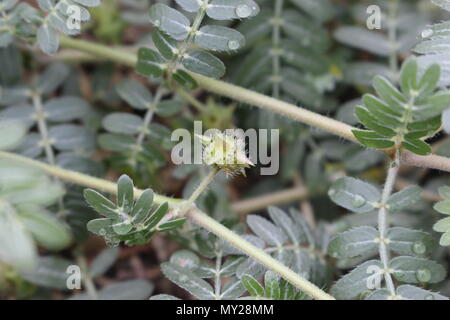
{"x":198,"y":191}
{"x":42,"y":127}
{"x":259,"y":255}
{"x":392,"y":35}
{"x":256,"y":99}
{"x":389,"y":185}
{"x":194,"y":215}
{"x":258,"y":203}
{"x":86,"y":278}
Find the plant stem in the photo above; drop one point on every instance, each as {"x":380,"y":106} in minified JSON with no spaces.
{"x":194,"y":215}
{"x":218,"y":283}
{"x":197,"y":192}
{"x":190,"y":99}
{"x":256,"y":99}
{"x":86,"y":278}
{"x":42,"y":127}
{"x":392,"y":35}
{"x":259,"y":255}
{"x":273,"y":199}
{"x":389,"y":185}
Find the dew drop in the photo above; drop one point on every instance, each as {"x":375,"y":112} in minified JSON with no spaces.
{"x":427,"y":33}
{"x":419,"y":247}
{"x":157,"y":23}
{"x":423,"y":275}
{"x":358,"y":201}
{"x":102,"y":232}
{"x":429,"y":297}
{"x":331,"y":192}
{"x":233,"y":44}
{"x":243,"y":11}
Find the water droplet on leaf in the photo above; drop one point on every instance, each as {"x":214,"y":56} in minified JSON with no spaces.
{"x":419,"y":247}
{"x":102,"y":232}
{"x":359,"y":201}
{"x":429,"y":297}
{"x":243,"y":11}
{"x":157,"y":23}
{"x":233,"y":44}
{"x":423,"y":275}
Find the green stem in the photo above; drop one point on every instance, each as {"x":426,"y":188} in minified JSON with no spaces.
{"x":42,"y":127}
{"x":194,"y":215}
{"x":256,"y":99}
{"x":259,"y":255}
{"x":190,"y":99}
{"x":86,"y":278}
{"x":226,"y":89}
{"x":392,"y":35}
{"x":197,"y":192}
{"x":389,"y":185}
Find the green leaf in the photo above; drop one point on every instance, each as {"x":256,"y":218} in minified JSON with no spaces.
{"x":417,"y":270}
{"x":219,"y":38}
{"x":408,"y":77}
{"x":46,"y":229}
{"x":157,"y":216}
{"x":187,"y":280}
{"x":52,"y":78}
{"x":103,"y":262}
{"x":116,"y":142}
{"x":171,"y":225}
{"x":353,"y":243}
{"x":125,"y":191}
{"x":410,"y":242}
{"x":101,"y":226}
{"x":167,"y":46}
{"x":100,"y":204}
{"x":372,"y":139}
{"x":388,"y":93}
{"x":66,"y":109}
{"x":150,"y":63}
{"x":285,"y":222}
{"x":417,"y":146}
{"x":353,"y":284}
{"x":12,"y":133}
{"x":189,"y":5}
{"x":122,"y":122}
{"x":362,"y":38}
{"x":204,"y":63}
{"x":252,"y":285}
{"x":184,"y":79}
{"x":408,"y":292}
{"x":404,"y":199}
{"x":47,"y":39}
{"x":51,"y":272}
{"x":185,"y":259}
{"x":169,"y":20}
{"x":372,"y":123}
{"x":232,"y":9}
{"x":266,"y":230}
{"x":17,"y":247}
{"x":142,"y":207}
{"x":271,"y":282}
{"x":354,"y":195}
{"x":135,"y":94}
{"x":429,"y":81}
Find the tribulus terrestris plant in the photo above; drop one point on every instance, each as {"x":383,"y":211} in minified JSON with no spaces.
{"x":124,"y":157}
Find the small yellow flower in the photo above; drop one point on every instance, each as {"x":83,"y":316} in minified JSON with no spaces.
{"x":226,"y":152}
